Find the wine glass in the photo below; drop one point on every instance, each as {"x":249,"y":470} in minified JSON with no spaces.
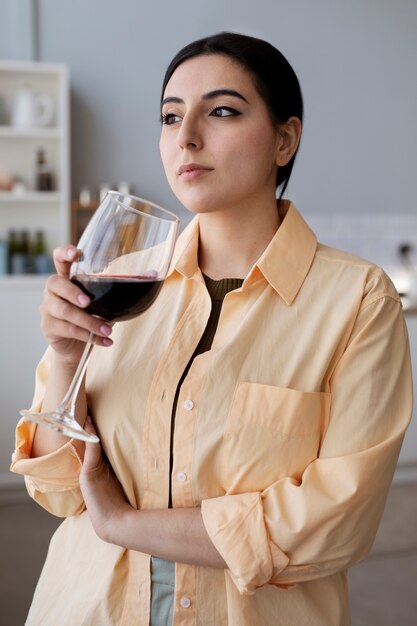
{"x":126,"y":252}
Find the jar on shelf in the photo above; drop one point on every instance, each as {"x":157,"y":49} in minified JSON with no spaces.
{"x":6,"y":181}
{"x":19,"y":186}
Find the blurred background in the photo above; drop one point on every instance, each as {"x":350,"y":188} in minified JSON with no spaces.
{"x":80,"y":85}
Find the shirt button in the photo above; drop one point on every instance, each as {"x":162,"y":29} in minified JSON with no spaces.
{"x":188,"y":405}
{"x":185,"y":602}
{"x":182,"y":477}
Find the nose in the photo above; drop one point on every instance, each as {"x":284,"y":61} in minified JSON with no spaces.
{"x":189,"y":135}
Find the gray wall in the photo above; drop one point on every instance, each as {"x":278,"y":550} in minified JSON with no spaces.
{"x":16,"y":30}
{"x":356,"y":62}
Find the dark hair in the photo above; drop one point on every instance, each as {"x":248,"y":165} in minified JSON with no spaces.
{"x":274,"y":78}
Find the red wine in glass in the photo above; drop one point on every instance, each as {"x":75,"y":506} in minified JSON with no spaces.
{"x":118,"y":298}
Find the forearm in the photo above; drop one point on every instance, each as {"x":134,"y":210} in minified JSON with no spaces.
{"x":45,"y":439}
{"x":172,"y":534}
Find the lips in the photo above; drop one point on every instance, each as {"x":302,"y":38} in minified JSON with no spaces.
{"x":190,"y":170}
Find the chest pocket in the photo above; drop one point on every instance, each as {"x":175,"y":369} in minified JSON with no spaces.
{"x":271,"y":433}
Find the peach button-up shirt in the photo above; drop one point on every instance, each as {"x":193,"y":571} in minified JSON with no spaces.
{"x":287,"y":434}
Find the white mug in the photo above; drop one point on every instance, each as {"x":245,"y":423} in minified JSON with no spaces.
{"x":31,"y":109}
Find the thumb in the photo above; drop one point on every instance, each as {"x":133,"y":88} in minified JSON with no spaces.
{"x":92,"y":455}
{"x":89,"y":426}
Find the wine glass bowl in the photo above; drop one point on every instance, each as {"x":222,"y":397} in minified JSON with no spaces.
{"x":123,"y":266}
{"x":125,"y":255}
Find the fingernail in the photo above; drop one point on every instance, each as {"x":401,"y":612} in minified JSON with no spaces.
{"x":70,"y":252}
{"x":107,"y":342}
{"x":83,"y":300}
{"x":106,"y":330}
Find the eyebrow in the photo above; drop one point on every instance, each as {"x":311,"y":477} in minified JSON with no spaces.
{"x":210,"y":95}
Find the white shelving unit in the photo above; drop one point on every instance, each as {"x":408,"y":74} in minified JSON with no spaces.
{"x":22,"y":343}
{"x":33,"y":210}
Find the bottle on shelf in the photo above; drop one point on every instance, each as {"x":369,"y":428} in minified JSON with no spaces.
{"x":104,"y":188}
{"x":84,"y":196}
{"x":3,"y":257}
{"x":42,"y":262}
{"x":123,"y":187}
{"x":26,"y":251}
{"x":17,"y":264}
{"x":12,"y":247}
{"x":44,"y":178}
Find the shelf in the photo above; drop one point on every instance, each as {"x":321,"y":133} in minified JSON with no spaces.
{"x":11,"y":132}
{"x":33,"y":68}
{"x":30,"y":197}
{"x":29,"y":209}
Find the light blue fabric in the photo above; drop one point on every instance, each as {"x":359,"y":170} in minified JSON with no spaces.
{"x":163,"y":585}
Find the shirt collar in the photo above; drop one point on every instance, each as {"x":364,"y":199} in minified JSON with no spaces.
{"x":284,"y":264}
{"x":185,"y":257}
{"x":287,"y":260}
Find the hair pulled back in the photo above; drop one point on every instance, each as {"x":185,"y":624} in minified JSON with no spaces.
{"x":274,"y":78}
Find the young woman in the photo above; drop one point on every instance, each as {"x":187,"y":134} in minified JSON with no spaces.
{"x":251,"y":420}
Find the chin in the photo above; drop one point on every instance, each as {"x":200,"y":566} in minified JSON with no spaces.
{"x":200,"y":204}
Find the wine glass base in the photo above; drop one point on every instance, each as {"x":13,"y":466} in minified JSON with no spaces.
{"x":61,"y":423}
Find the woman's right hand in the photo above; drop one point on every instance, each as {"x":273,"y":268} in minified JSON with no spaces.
{"x":64,"y":323}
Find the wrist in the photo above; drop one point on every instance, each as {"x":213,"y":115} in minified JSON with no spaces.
{"x":66,"y":364}
{"x":114,"y":530}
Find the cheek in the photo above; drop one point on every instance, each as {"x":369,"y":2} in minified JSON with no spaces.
{"x":166,"y":157}
{"x":163,"y":150}
{"x":252,"y":157}
{"x":255,"y":146}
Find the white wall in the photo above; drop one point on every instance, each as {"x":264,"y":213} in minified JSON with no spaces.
{"x":22,"y":346}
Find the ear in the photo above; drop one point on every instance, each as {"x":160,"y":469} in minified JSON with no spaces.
{"x":289,"y":135}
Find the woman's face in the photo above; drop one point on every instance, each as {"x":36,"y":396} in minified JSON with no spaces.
{"x":218,"y":144}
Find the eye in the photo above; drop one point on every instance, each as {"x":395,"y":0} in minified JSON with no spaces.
{"x":224,"y":112}
{"x":168,"y":119}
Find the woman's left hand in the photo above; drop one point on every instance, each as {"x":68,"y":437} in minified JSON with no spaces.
{"x":103,"y":493}
{"x":171,"y":534}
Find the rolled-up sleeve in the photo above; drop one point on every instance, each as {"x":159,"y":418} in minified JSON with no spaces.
{"x":300,"y":530}
{"x":52,"y":480}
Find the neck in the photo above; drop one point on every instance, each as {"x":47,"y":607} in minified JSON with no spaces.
{"x":231,"y":243}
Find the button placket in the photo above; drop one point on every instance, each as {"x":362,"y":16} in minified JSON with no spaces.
{"x":183,"y":446}
{"x":185,"y":602}
{"x":185,"y":594}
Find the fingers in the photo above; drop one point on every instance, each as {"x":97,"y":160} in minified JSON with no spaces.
{"x":63,"y":257}
{"x":60,"y":287}
{"x":57,"y":330}
{"x":63,"y":315}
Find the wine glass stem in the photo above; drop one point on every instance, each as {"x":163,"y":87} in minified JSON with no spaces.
{"x":68,"y":403}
